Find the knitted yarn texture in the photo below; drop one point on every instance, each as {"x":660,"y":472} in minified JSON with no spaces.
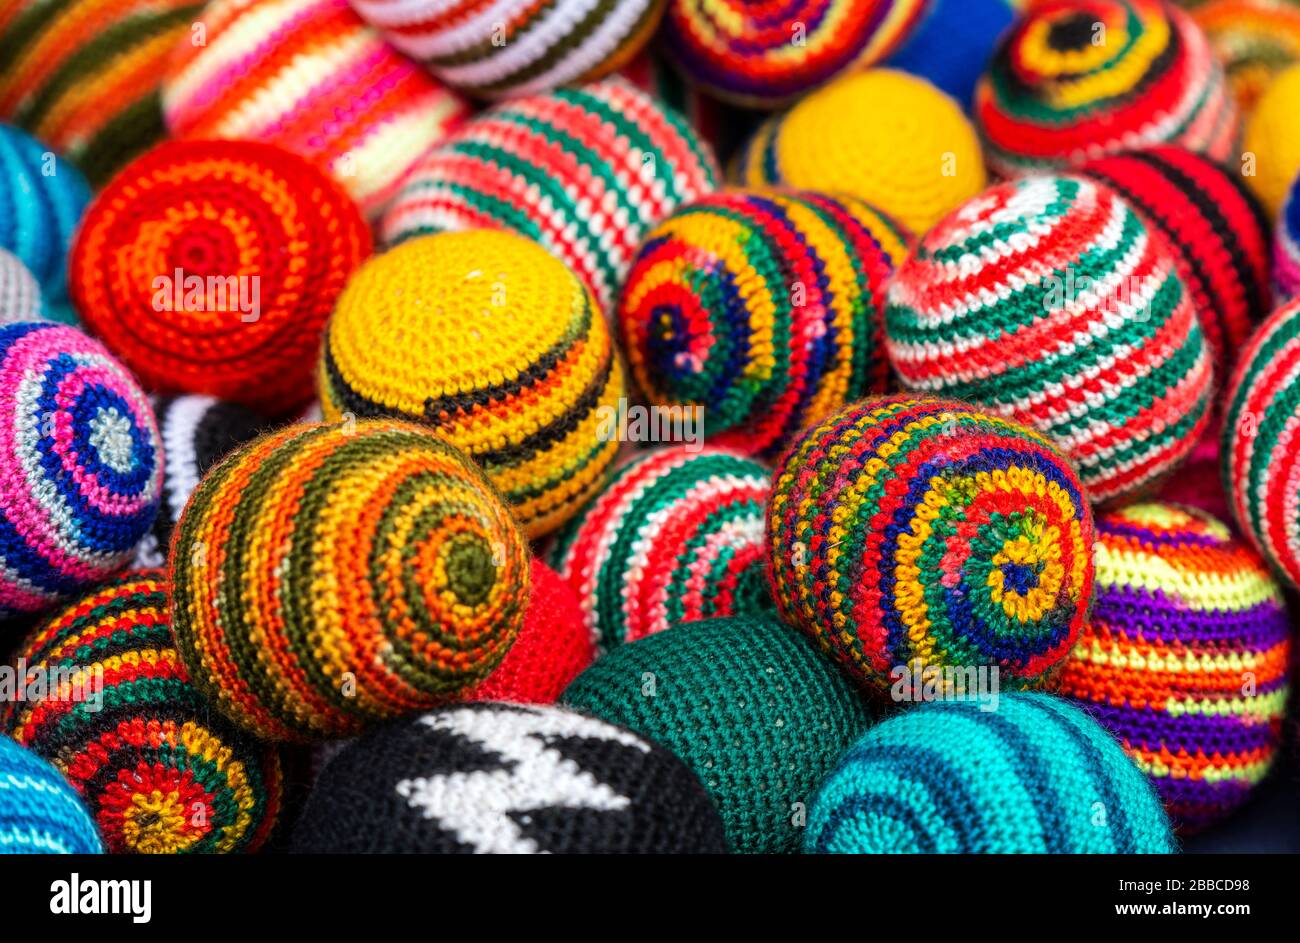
{"x":1256,"y":39}
{"x":40,"y":814}
{"x":20,"y":295}
{"x":325,"y":577}
{"x":1286,"y":247}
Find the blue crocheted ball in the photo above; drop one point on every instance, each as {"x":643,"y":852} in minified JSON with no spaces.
{"x":40,"y":813}
{"x":1034,"y":775}
{"x":953,"y":44}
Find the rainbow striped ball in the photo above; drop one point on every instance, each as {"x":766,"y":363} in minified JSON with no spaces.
{"x":325,"y":577}
{"x":42,"y":198}
{"x":1050,"y":301}
{"x":494,"y":50}
{"x":584,"y":171}
{"x":314,"y":78}
{"x":1034,"y":775}
{"x":1261,"y":458}
{"x":766,"y":54}
{"x":676,"y":537}
{"x":80,"y":465}
{"x":160,"y":771}
{"x":1076,"y":79}
{"x":1185,"y":657}
{"x":40,"y":813}
{"x":1286,"y":247}
{"x":919,"y":534}
{"x":762,"y":310}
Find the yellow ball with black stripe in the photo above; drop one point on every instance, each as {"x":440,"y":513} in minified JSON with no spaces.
{"x":495,"y":344}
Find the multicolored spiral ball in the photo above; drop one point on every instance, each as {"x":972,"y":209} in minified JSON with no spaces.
{"x":1256,"y":39}
{"x":1215,"y":227}
{"x":676,"y":537}
{"x":585,"y":172}
{"x":495,"y":344}
{"x":40,"y":813}
{"x":42,"y":199}
{"x":915,"y":167}
{"x":761,"y":311}
{"x":1286,"y":247}
{"x":160,"y":771}
{"x":325,"y":577}
{"x":212,"y":266}
{"x":1049,"y":300}
{"x":81,"y":465}
{"x":312,"y":77}
{"x":911,"y":535}
{"x":84,"y":76}
{"x":764,"y":55}
{"x":1077,"y":79}
{"x":1185,"y":657}
{"x":494,"y":50}
{"x":1261,"y":457}
{"x":1033,"y":775}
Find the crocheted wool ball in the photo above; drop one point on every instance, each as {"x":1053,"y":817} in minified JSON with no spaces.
{"x":507,"y":779}
{"x":314,"y":78}
{"x":84,"y":76}
{"x":328,"y":576}
{"x":1216,"y":228}
{"x":753,"y":709}
{"x":39,"y":812}
{"x":1076,"y":79}
{"x":495,"y":50}
{"x":1260,"y":455}
{"x":161,"y":772}
{"x":1185,"y":657}
{"x":674,"y":538}
{"x":20,"y":295}
{"x":42,"y":198}
{"x":212,"y":266}
{"x":765,"y":55}
{"x":1256,"y":39}
{"x":1272,"y":142}
{"x":910,"y":532}
{"x":493,"y":342}
{"x":1286,"y":247}
{"x":1049,"y":300}
{"x":706,"y":116}
{"x":80,"y":465}
{"x":553,"y":646}
{"x":197,"y":432}
{"x":953,"y":42}
{"x":584,"y":171}
{"x":764,"y":311}
{"x":915,"y":167}
{"x":1034,"y":776}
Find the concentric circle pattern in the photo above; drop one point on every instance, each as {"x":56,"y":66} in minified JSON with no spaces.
{"x":584,"y":171}
{"x":674,"y":538}
{"x":212,"y":266}
{"x":496,"y":345}
{"x":766,"y":54}
{"x":763,"y":310}
{"x":1076,"y":79}
{"x":81,"y":465}
{"x":1185,"y":658}
{"x":1261,"y":458}
{"x":917,"y":533}
{"x":159,"y":770}
{"x":1050,"y":301}
{"x":325,"y":577}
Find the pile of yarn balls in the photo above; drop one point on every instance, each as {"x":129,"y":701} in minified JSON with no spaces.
{"x":648,"y":426}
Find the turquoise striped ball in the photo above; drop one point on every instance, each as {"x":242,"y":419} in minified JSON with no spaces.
{"x":40,"y":813}
{"x":1035,"y":775}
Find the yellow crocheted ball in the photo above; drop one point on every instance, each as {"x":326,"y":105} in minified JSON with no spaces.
{"x":1273,"y":137}
{"x":497,"y":345}
{"x":886,"y":137}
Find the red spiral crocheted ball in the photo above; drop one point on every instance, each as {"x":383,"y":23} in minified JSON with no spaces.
{"x":553,"y":646}
{"x":212,"y":266}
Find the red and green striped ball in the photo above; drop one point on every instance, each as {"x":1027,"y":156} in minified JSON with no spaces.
{"x":1050,"y":301}
{"x":909,"y":535}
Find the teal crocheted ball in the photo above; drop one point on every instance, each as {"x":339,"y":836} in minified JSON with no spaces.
{"x":1034,"y":775}
{"x":749,"y":704}
{"x":40,"y":813}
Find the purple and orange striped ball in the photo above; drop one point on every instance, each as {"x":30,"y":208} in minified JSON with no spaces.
{"x":1185,"y":657}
